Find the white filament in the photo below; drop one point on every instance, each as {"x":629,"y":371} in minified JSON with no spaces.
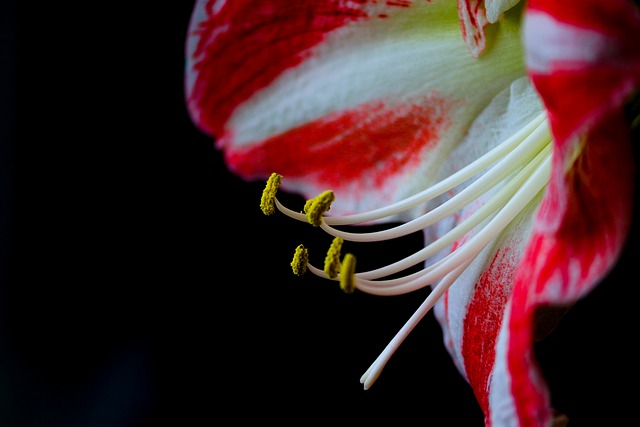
{"x":522,"y":163}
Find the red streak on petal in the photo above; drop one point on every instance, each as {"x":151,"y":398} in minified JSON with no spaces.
{"x":362,"y":147}
{"x":482,"y":323}
{"x":401,"y":3}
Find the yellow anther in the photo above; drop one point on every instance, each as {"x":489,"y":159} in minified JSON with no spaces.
{"x":316,"y":207}
{"x":332,"y":262}
{"x":300,"y":260}
{"x":307,"y":205}
{"x":348,"y":274}
{"x":268,"y":201}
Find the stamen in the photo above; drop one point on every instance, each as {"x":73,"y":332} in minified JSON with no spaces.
{"x":529,"y":147}
{"x":300,"y":260}
{"x":520,"y":166}
{"x":530,"y":189}
{"x":510,"y":203}
{"x":332,"y":262}
{"x":490,"y":207}
{"x":316,"y":208}
{"x":538,"y":124}
{"x":374,"y":371}
{"x":347,"y":274}
{"x":510,"y":154}
{"x":267,"y":203}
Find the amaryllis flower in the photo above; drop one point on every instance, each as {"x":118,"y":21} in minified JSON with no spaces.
{"x":498,"y":128}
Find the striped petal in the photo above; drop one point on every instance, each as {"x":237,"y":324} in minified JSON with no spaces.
{"x":366,"y":98}
{"x":475,"y":15}
{"x":472,"y":311}
{"x":473,"y":19}
{"x":583,"y":60}
{"x":587,"y":49}
{"x":586,"y":214}
{"x":563,"y":263}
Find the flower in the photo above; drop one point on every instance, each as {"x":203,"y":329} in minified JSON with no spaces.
{"x":495,"y":127}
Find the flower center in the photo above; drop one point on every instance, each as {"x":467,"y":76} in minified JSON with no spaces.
{"x":518,"y":169}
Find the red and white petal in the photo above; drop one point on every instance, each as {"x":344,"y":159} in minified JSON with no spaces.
{"x":364,"y":98}
{"x":562,"y":265}
{"x":471,"y":312}
{"x":584,"y":59}
{"x":475,"y":15}
{"x":488,"y":315}
{"x":588,"y":49}
{"x":473,"y":19}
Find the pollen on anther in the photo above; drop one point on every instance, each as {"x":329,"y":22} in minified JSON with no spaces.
{"x":300,"y":260}
{"x":268,"y":201}
{"x":332,"y":262}
{"x":315,"y":208}
{"x":348,"y":274}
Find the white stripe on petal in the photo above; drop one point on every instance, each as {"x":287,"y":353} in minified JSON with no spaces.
{"x":501,"y":404}
{"x":549,"y":42}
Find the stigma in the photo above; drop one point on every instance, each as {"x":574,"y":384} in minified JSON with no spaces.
{"x":512,"y":174}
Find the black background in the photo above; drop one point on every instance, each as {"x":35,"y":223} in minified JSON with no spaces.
{"x":142,"y":286}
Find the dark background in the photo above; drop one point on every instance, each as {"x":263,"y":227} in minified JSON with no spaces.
{"x":142,"y":286}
